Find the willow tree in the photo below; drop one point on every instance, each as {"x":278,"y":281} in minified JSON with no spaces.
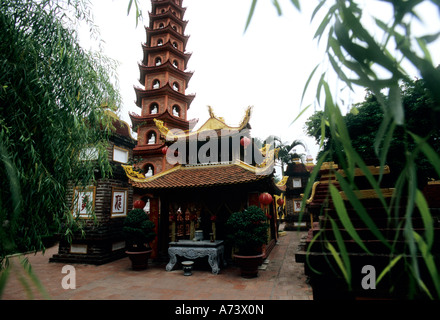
{"x":377,"y":58}
{"x":52,"y":98}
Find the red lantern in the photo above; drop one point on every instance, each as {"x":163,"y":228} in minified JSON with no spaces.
{"x":280,"y":202}
{"x":139,"y":204}
{"x":164,"y":150}
{"x":265,"y":198}
{"x":245,"y":141}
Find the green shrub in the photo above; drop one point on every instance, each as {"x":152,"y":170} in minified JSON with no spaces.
{"x":138,"y":230}
{"x":247,"y":230}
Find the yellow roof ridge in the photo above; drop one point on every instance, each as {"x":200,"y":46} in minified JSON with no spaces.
{"x":139,"y":177}
{"x":213,"y":123}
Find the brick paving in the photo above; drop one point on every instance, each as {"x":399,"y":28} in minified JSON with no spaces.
{"x":283,"y":279}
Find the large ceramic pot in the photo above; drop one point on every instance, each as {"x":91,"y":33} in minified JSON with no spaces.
{"x":249,"y":264}
{"x":139,"y":259}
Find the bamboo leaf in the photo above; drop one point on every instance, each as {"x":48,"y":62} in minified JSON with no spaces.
{"x":344,"y":263}
{"x":324,"y":23}
{"x":374,"y":184}
{"x":317,"y":8}
{"x":335,"y":254}
{"x":396,"y":105}
{"x":130,"y":3}
{"x":300,"y":114}
{"x":277,"y":6}
{"x":340,"y":72}
{"x":432,"y":156}
{"x":343,"y":216}
{"x":385,"y":147}
{"x":427,"y":219}
{"x":430,"y":38}
{"x":318,"y":234}
{"x":251,"y":14}
{"x":361,"y":211}
{"x":308,"y":82}
{"x":388,"y":268}
{"x":296,"y":4}
{"x":422,"y":45}
{"x":429,"y":261}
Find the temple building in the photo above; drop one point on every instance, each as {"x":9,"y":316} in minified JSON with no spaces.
{"x":189,"y":179}
{"x":101,"y":206}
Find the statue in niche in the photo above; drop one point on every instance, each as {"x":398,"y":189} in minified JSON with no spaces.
{"x":149,"y":173}
{"x":176,"y":112}
{"x":152,"y":139}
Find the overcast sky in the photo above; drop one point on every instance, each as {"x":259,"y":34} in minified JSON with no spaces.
{"x":266,"y":67}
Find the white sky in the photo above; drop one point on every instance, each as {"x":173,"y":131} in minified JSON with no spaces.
{"x":266,"y":67}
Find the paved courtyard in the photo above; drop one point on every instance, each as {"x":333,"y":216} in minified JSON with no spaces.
{"x":282,"y":279}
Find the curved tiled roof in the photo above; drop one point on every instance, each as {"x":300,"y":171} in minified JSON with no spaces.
{"x":201,"y":176}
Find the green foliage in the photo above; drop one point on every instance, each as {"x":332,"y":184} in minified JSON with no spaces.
{"x":376,"y":58}
{"x":138,"y":229}
{"x":422,"y":118}
{"x":52,"y":94}
{"x":287,"y":152}
{"x":247,"y":230}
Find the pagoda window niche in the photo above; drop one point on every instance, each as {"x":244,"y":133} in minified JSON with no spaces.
{"x":149,"y":170}
{"x":176,"y":86}
{"x":151,"y":138}
{"x":159,"y":42}
{"x":154,"y":108}
{"x":158,"y":61}
{"x":176,"y":111}
{"x":161,"y":26}
{"x":175,"y":45}
{"x":156,"y":84}
{"x":175,"y":64}
{"x":147,"y":206}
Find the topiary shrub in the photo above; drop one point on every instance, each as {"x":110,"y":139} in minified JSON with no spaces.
{"x":247,"y":230}
{"x":138,"y":230}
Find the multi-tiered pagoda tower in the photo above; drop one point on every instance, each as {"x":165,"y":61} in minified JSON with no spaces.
{"x":164,"y":80}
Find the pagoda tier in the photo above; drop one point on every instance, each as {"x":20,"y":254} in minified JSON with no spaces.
{"x":167,"y":16}
{"x":166,"y":117}
{"x":166,"y":67}
{"x":165,"y":90}
{"x":166,"y":31}
{"x":158,"y":5}
{"x":166,"y":47}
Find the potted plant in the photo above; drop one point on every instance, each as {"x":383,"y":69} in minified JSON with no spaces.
{"x":139,"y":232}
{"x":247,"y":231}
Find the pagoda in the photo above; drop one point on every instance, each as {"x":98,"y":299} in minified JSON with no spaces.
{"x":164,"y":82}
{"x":191,"y":180}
